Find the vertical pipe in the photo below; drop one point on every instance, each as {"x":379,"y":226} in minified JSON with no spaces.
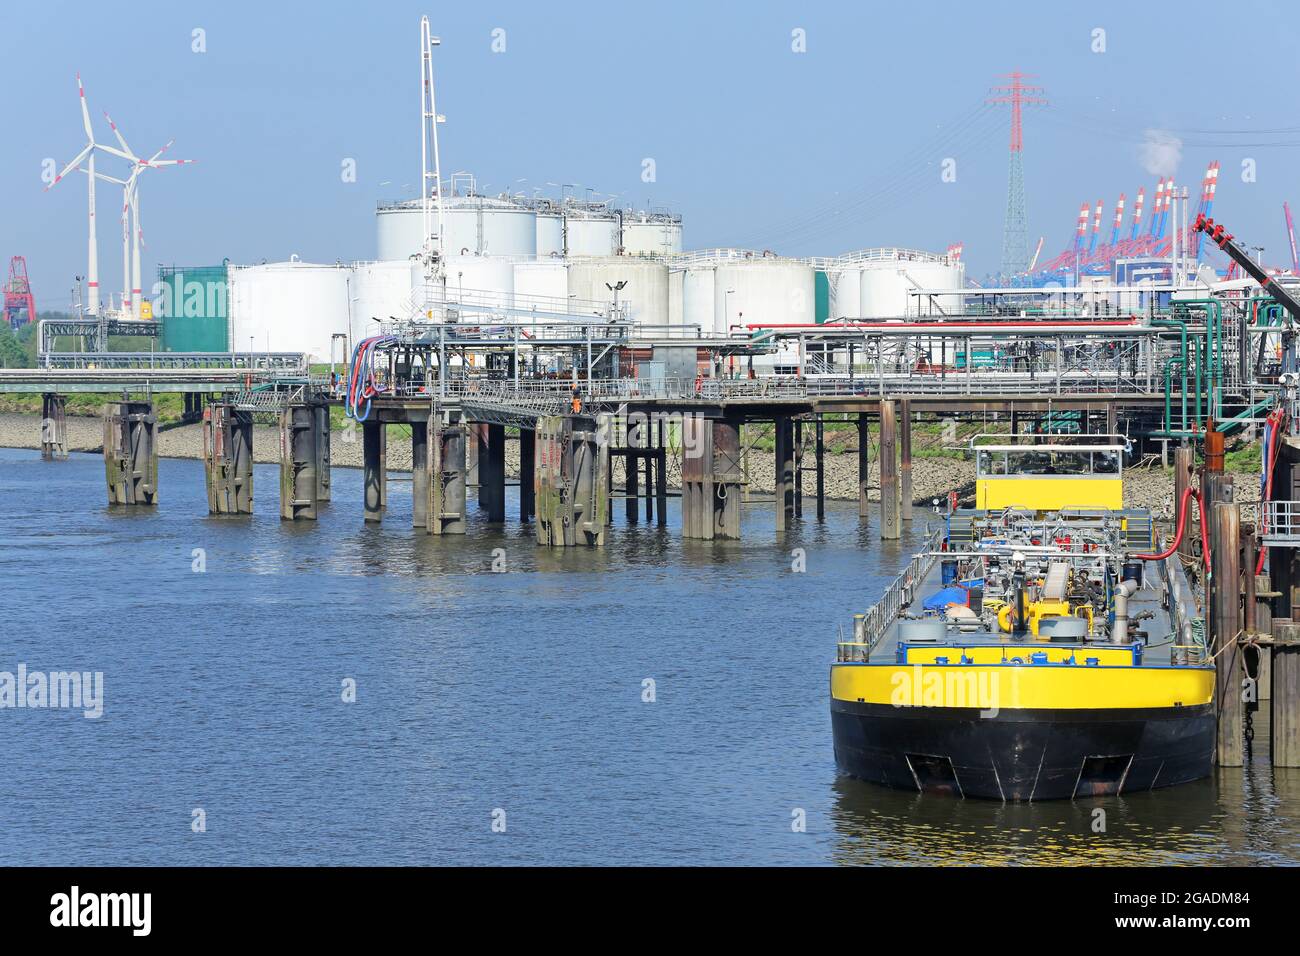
{"x":661,"y":475}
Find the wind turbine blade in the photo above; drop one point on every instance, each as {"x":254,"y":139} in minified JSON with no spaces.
{"x":85,"y":111}
{"x":71,"y":166}
{"x":166,"y":146}
{"x":118,"y":133}
{"x":114,"y":151}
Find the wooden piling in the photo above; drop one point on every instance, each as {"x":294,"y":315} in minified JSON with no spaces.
{"x":1284,"y":709}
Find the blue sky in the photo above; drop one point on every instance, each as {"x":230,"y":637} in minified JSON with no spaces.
{"x":752,"y":142}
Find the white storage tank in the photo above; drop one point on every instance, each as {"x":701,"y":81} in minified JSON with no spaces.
{"x":651,"y":234}
{"x":483,"y":283}
{"x":378,"y":290}
{"x":542,"y":285}
{"x":645,"y":296}
{"x":847,"y":301}
{"x":764,"y":289}
{"x":676,"y":280}
{"x":289,"y":307}
{"x":697,"y":299}
{"x":550,"y":229}
{"x":889,"y":276}
{"x":590,"y":230}
{"x":476,"y":225}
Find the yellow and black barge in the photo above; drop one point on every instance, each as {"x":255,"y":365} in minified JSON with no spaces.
{"x":1036,"y":649}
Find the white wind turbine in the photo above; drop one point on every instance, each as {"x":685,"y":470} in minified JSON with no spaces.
{"x":88,"y":155}
{"x":131,"y":204}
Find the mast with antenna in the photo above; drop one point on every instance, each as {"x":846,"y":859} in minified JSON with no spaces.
{"x":430,"y":179}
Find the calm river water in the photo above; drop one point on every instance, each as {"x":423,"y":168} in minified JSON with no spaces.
{"x":512,"y":698}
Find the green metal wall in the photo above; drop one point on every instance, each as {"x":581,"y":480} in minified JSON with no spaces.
{"x":192,"y":302}
{"x":822,"y":294}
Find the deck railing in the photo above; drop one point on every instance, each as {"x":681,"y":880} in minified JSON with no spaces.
{"x":897,"y":597}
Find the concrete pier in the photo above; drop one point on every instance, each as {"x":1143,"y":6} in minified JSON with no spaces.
{"x":228,"y":459}
{"x":572,"y":480}
{"x":299,"y":425}
{"x":712,"y":479}
{"x":54,"y":427}
{"x":372,"y":469}
{"x":889,"y":490}
{"x":785,"y":466}
{"x":131,"y":453}
{"x":447,"y":467}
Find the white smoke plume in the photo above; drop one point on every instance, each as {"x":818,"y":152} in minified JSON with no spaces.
{"x":1161,"y":152}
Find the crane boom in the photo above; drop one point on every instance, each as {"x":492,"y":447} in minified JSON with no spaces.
{"x":1252,"y":268}
{"x":1290,"y":234}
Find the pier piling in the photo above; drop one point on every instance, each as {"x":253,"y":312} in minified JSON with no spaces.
{"x":322,"y":452}
{"x":864,"y":465}
{"x":784,"y":477}
{"x":131,"y":453}
{"x":420,"y":473}
{"x":1225,"y":611}
{"x":372,"y":469}
{"x":905,"y":464}
{"x":1183,"y":463}
{"x":661,"y":474}
{"x":492,"y":473}
{"x":572,"y":480}
{"x":298,"y":462}
{"x":712,"y":479}
{"x":527,"y":474}
{"x":447,"y":479}
{"x":54,"y":427}
{"x":889,"y":492}
{"x":1284,"y":709}
{"x":228,"y":459}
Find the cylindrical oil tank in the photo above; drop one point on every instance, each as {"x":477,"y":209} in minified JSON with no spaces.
{"x":697,"y":299}
{"x":887,"y":284}
{"x":378,"y":291}
{"x":476,"y":225}
{"x":847,"y":300}
{"x":590,"y":231}
{"x":644,"y":297}
{"x":542,"y":285}
{"x":289,"y":307}
{"x":651,"y":234}
{"x":477,"y":282}
{"x":550,"y":231}
{"x":676,"y":278}
{"x":764,"y":289}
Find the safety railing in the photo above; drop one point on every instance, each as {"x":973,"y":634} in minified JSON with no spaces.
{"x":1282,"y":523}
{"x":897,"y":597}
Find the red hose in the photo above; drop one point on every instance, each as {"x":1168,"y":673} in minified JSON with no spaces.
{"x":1188,"y":492}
